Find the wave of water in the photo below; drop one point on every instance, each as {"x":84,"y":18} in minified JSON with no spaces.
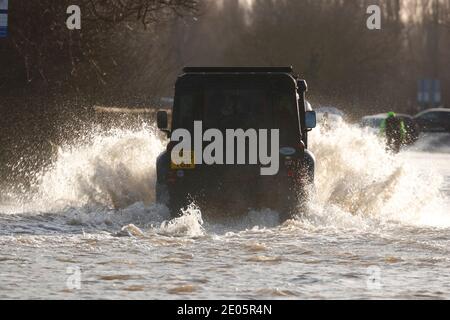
{"x":112,"y":169}
{"x":108,"y":180}
{"x":358,"y":182}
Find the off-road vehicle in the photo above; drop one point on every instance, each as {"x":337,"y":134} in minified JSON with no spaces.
{"x":239,"y":98}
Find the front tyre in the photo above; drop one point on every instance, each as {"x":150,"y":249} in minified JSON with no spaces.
{"x":175,"y":204}
{"x":162,"y":194}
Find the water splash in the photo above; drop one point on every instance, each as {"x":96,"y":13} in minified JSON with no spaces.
{"x":433,"y":142}
{"x":108,"y":178}
{"x":189,"y":224}
{"x":358,"y":181}
{"x":113,"y":169}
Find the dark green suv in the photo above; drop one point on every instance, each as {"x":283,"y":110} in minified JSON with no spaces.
{"x":225,"y":98}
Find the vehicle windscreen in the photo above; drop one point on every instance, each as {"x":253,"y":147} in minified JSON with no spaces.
{"x":372,"y":122}
{"x":226,"y":106}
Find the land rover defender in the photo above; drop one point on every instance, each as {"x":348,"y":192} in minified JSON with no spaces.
{"x":225,"y":98}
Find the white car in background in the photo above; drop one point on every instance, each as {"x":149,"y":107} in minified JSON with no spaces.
{"x":333,"y":114}
{"x":373,"y":123}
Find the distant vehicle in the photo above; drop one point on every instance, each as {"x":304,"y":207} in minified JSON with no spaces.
{"x":434,"y":120}
{"x":374,"y":123}
{"x":329,"y":116}
{"x":331,"y":111}
{"x":253,"y":98}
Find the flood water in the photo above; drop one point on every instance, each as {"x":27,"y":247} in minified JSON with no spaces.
{"x":378,"y":227}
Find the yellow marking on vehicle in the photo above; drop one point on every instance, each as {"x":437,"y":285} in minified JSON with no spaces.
{"x":184,"y":166}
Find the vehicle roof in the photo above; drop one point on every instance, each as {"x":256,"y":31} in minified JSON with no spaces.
{"x":288,"y":69}
{"x":433,"y":110}
{"x":210,"y":78}
{"x":330,"y":110}
{"x":384,"y":115}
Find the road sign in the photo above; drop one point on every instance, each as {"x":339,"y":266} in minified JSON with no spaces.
{"x":3,"y":18}
{"x":429,"y":93}
{"x":436,"y":93}
{"x":422,"y":92}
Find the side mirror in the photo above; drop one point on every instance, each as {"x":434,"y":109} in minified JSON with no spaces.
{"x":310,"y":119}
{"x":162,"y":120}
{"x":302,"y":86}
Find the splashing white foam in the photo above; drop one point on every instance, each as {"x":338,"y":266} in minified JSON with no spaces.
{"x":433,"y":142}
{"x":114,"y":169}
{"x":189,"y":224}
{"x":357,"y":181}
{"x":111,"y":175}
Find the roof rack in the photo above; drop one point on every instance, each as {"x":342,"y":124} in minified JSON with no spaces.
{"x":238,"y":70}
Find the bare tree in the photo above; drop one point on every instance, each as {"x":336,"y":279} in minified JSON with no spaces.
{"x":52,"y":55}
